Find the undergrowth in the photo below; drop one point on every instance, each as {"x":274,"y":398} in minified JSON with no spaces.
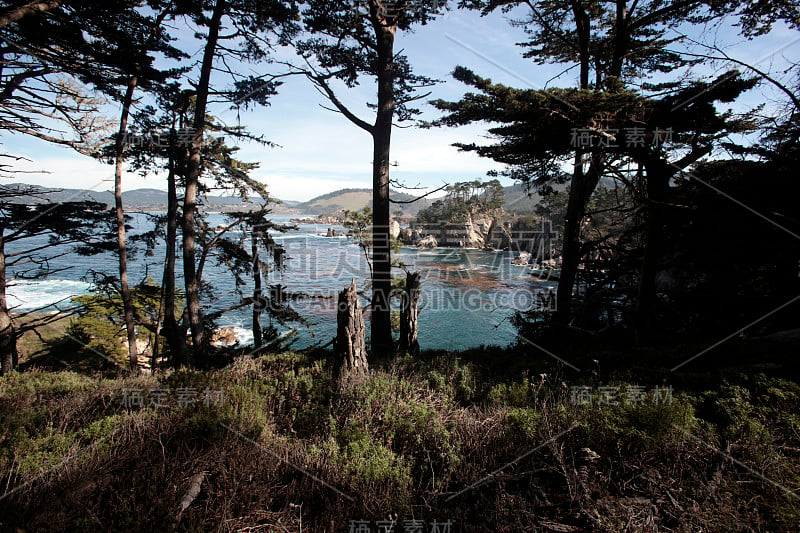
{"x":423,"y":439}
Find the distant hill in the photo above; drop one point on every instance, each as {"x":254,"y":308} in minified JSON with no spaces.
{"x":154,"y":199}
{"x":517,"y":200}
{"x":355,"y":199}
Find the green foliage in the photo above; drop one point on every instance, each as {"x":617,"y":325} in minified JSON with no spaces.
{"x":101,"y":323}
{"x":648,"y":424}
{"x":522,"y":422}
{"x":464,"y":200}
{"x":516,"y":394}
{"x":38,"y":382}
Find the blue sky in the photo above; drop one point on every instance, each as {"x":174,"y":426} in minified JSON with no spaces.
{"x":321,"y":151}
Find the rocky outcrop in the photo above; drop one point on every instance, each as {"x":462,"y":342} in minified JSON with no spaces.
{"x":394,"y":229}
{"x":225,"y":337}
{"x":319,"y":219}
{"x":524,"y":258}
{"x":478,"y":232}
{"x":409,"y":236}
{"x":427,"y":242}
{"x":332,"y":233}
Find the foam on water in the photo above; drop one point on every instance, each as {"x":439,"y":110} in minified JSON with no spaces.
{"x":25,"y":295}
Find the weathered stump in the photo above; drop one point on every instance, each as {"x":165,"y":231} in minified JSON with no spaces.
{"x":349,"y":345}
{"x":408,"y":314}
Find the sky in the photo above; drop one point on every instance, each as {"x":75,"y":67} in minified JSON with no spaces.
{"x":320,"y":151}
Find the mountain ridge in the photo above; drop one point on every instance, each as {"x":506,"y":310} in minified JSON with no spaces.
{"x":353,"y":199}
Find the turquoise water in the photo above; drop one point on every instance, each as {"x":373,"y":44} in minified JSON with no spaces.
{"x":467,"y":296}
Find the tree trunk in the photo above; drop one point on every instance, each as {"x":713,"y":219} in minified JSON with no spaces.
{"x":191,"y":280}
{"x":122,"y":245}
{"x":583,"y":32}
{"x":409,"y":327}
{"x":580,"y":190}
{"x":349,"y":346}
{"x":621,"y":44}
{"x":381,"y":322}
{"x":659,"y":173}
{"x":8,"y":337}
{"x":258,"y":295}
{"x":645,"y":303}
{"x":176,"y":341}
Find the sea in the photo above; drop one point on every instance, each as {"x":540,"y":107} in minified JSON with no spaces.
{"x":468,"y":295}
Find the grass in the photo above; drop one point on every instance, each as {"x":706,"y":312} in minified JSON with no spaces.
{"x":417,"y":440}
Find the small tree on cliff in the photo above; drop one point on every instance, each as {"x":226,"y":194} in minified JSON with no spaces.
{"x":466,"y":201}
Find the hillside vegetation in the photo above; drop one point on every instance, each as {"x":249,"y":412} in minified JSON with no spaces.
{"x":433,"y":439}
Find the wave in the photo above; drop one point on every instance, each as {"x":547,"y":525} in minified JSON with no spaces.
{"x":27,"y":295}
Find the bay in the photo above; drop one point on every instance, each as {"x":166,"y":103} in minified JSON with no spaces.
{"x":468,"y":295}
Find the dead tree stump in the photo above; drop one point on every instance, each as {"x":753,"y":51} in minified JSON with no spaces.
{"x":349,"y":346}
{"x":408,"y":314}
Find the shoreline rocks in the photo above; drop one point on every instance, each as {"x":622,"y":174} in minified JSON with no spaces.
{"x":225,"y":336}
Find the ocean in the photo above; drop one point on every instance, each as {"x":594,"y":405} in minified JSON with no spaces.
{"x":468,"y":295}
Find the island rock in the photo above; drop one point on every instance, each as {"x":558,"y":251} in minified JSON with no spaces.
{"x":524,"y":258}
{"x":427,"y":242}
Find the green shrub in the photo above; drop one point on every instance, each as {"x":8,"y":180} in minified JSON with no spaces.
{"x":514,"y":394}
{"x":522,"y":422}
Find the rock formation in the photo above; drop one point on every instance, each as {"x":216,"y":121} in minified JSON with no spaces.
{"x":524,"y":258}
{"x":427,"y":242}
{"x":225,"y":337}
